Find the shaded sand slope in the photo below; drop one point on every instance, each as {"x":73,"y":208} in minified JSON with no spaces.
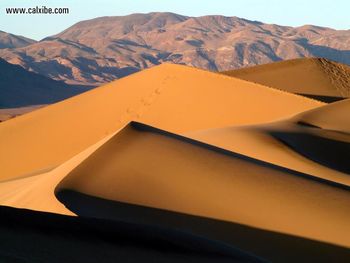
{"x":315,"y":142}
{"x":272,"y":246}
{"x":145,"y":166}
{"x":76,"y":239}
{"x":314,"y":77}
{"x":334,"y":117}
{"x":322,"y":135}
{"x":173,"y":97}
{"x":258,"y":142}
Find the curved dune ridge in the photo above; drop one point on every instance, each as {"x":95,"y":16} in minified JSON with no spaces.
{"x":332,"y":117}
{"x":220,"y":169}
{"x":313,"y":77}
{"x":173,"y":97}
{"x":145,"y":166}
{"x":322,"y":135}
{"x":315,"y":142}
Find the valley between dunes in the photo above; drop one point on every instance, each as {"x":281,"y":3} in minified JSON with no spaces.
{"x":228,"y":169}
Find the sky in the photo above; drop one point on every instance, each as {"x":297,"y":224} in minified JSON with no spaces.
{"x":328,"y":13}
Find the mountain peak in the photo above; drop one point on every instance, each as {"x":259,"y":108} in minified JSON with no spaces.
{"x":8,"y":40}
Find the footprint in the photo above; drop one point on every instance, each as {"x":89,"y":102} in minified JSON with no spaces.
{"x":158,"y":90}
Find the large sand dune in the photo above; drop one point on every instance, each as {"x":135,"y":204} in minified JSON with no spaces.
{"x":172,"y":97}
{"x":140,"y":165}
{"x":181,"y":165}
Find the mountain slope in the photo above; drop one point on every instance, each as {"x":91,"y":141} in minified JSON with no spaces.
{"x":9,"y":113}
{"x":19,"y":88}
{"x":8,"y":40}
{"x":99,"y":50}
{"x":314,"y":77}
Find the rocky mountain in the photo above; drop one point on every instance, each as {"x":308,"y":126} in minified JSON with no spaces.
{"x":99,"y":50}
{"x":19,"y":88}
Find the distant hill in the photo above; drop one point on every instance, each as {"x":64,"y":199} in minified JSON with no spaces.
{"x":9,"y":113}
{"x":19,"y":88}
{"x":12,"y":41}
{"x":100,"y":50}
{"x":314,"y":77}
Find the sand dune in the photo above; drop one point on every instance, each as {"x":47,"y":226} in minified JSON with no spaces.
{"x":173,"y":97}
{"x":144,"y":166}
{"x":313,"y":77}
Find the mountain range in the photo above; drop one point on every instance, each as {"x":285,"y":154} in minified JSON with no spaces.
{"x":99,"y":50}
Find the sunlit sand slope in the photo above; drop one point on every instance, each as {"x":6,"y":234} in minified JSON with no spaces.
{"x":314,"y":77}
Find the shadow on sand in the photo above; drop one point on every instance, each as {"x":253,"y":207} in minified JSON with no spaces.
{"x":28,"y":236}
{"x":268,"y":245}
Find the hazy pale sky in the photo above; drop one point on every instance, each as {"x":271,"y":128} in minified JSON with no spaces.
{"x":329,"y":13}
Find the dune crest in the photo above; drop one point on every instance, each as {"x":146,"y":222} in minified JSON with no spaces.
{"x":332,"y":117}
{"x":317,"y":78}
